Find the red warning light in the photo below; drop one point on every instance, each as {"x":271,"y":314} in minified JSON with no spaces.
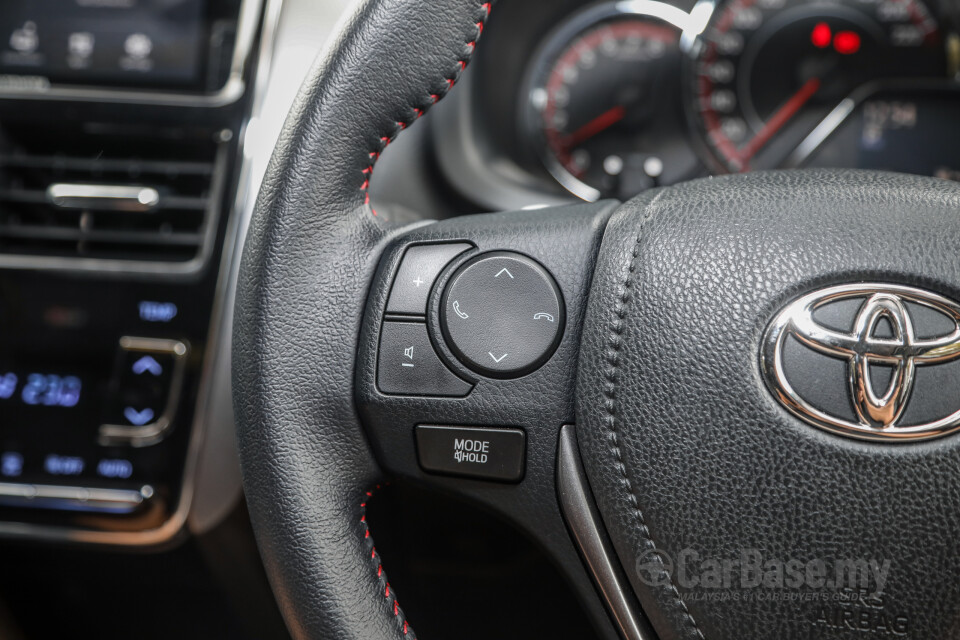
{"x":846,"y":42}
{"x":822,"y":35}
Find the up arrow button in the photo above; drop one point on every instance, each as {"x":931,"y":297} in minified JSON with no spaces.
{"x":147,"y":364}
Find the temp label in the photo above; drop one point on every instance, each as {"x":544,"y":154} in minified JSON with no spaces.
{"x":475,"y":451}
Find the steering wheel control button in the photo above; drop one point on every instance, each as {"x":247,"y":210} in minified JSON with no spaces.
{"x":472,"y":452}
{"x":418,"y":270}
{"x":408,"y":366}
{"x":502,"y":314}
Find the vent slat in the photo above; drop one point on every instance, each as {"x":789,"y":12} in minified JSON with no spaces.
{"x":183,"y":203}
{"x":70,"y":205}
{"x":99,"y":165}
{"x":27,"y":196}
{"x":77,"y":235}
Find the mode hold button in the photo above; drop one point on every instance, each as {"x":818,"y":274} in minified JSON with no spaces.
{"x":473,"y":452}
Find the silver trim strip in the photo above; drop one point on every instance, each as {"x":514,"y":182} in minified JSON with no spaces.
{"x":247,"y":24}
{"x":582,"y":517}
{"x":84,"y":498}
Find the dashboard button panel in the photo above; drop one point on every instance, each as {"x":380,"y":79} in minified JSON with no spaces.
{"x":502,"y":314}
{"x":417,"y":272}
{"x":408,"y":365}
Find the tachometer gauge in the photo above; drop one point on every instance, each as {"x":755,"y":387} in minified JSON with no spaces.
{"x":602,"y":102}
{"x":769,"y":76}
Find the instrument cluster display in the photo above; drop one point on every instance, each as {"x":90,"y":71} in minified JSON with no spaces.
{"x":629,"y":95}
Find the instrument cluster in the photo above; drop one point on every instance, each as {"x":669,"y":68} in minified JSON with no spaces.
{"x":623,"y":96}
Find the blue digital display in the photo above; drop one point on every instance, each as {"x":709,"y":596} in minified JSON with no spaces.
{"x":8,"y":385}
{"x":51,"y":390}
{"x":112,"y":41}
{"x":41,"y":389}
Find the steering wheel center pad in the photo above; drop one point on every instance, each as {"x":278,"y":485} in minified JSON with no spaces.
{"x":690,"y":456}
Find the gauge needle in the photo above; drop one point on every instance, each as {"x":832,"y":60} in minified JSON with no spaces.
{"x":780,"y":118}
{"x":602,"y":122}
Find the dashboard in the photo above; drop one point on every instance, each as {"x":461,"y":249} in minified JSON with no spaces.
{"x":122,"y":125}
{"x":133,"y":133}
{"x":608,"y":99}
{"x":133,"y":136}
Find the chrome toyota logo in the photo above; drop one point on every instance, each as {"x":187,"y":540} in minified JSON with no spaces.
{"x":883,"y":334}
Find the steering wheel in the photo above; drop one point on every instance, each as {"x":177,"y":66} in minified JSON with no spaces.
{"x":745,"y":373}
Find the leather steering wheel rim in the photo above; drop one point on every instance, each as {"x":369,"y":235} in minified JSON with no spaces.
{"x":680,"y":456}
{"x":310,"y":253}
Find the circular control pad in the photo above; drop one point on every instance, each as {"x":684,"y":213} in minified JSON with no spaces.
{"x":502,"y":314}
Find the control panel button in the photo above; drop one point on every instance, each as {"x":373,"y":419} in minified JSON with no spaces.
{"x":146,"y":391}
{"x":144,"y":386}
{"x":475,"y":452}
{"x":156,"y":311}
{"x":57,"y":465}
{"x":11,"y":464}
{"x":115,"y":468}
{"x":502,"y":314}
{"x":145,"y":380}
{"x":418,"y":270}
{"x":407,"y":364}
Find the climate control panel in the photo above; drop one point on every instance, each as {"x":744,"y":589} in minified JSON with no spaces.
{"x":97,"y":390}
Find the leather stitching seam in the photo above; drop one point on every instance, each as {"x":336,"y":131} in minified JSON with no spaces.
{"x":382,"y":580}
{"x":610,"y":393}
{"x":416,"y":112}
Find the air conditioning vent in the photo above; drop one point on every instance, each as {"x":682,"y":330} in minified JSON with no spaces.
{"x":109,"y":212}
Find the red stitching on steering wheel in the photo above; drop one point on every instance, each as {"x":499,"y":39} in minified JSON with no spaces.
{"x":388,"y":594}
{"x":417,"y":113}
{"x":431,"y":100}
